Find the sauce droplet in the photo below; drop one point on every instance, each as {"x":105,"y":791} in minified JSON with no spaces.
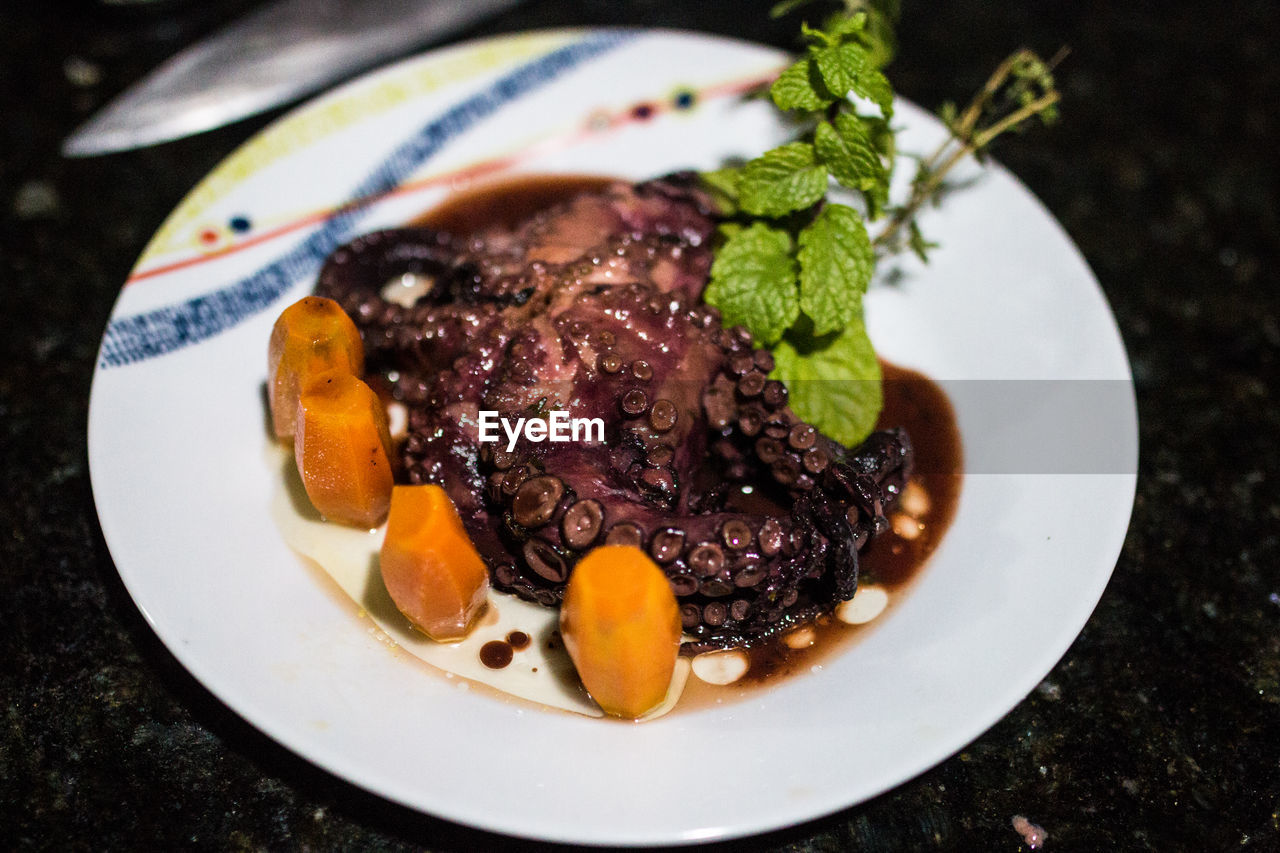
{"x":518,"y":640}
{"x":495,"y":654}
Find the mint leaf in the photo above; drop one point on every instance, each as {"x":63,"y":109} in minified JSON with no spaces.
{"x":836,"y":262}
{"x":874,"y":86}
{"x":841,"y":66}
{"x":833,"y":382}
{"x":878,"y":35}
{"x":817,"y":36}
{"x":795,"y":90}
{"x":753,"y":281}
{"x":881,"y":134}
{"x":852,"y":160}
{"x":848,"y":68}
{"x":841,"y":160}
{"x":840,"y":25}
{"x":786,"y":7}
{"x":722,"y":184}
{"x":782,"y":180}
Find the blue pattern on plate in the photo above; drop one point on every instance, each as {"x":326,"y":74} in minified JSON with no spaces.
{"x":163,"y":330}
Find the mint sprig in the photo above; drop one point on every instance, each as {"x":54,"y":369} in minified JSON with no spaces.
{"x":791,"y":267}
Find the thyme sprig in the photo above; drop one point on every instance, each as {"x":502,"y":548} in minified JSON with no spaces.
{"x":1019,"y":90}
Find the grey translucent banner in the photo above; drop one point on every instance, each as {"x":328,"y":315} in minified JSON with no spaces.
{"x":1006,"y":426}
{"x":1011,"y":426}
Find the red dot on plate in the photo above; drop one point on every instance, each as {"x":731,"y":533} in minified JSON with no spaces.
{"x":208,"y":236}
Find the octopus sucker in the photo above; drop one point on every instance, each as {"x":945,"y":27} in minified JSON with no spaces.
{"x":593,"y":307}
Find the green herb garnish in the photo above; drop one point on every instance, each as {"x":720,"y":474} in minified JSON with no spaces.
{"x":792,"y":267}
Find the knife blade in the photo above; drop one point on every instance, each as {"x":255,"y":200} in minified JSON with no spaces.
{"x":272,"y":56}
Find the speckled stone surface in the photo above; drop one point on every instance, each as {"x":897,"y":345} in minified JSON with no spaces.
{"x":1159,"y":730}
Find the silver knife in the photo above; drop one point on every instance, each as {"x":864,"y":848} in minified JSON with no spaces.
{"x":270,"y":57}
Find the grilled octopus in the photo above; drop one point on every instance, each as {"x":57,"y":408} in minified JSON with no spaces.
{"x":593,"y":307}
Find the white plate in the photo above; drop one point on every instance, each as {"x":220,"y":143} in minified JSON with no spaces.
{"x":177,"y":448}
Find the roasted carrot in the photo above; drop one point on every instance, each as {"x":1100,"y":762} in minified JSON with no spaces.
{"x":341,"y":449}
{"x":432,"y":570}
{"x":311,"y":336}
{"x":621,"y":627}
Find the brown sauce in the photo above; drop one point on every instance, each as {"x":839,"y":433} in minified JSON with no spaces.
{"x":496,"y":654}
{"x":506,"y":202}
{"x":918,"y":404}
{"x":911,"y":400}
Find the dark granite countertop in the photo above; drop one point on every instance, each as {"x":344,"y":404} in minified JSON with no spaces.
{"x":1159,"y":729}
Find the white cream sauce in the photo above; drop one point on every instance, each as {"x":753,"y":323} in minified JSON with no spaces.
{"x":540,"y":672}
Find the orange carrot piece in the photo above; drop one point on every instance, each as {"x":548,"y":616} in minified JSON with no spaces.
{"x":341,"y":449}
{"x":621,"y":627}
{"x":433,"y":572}
{"x":311,"y":336}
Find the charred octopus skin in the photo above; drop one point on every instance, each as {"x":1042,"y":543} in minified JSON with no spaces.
{"x":593,"y":307}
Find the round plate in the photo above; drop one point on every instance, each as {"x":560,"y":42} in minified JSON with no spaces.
{"x":1006,"y":311}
